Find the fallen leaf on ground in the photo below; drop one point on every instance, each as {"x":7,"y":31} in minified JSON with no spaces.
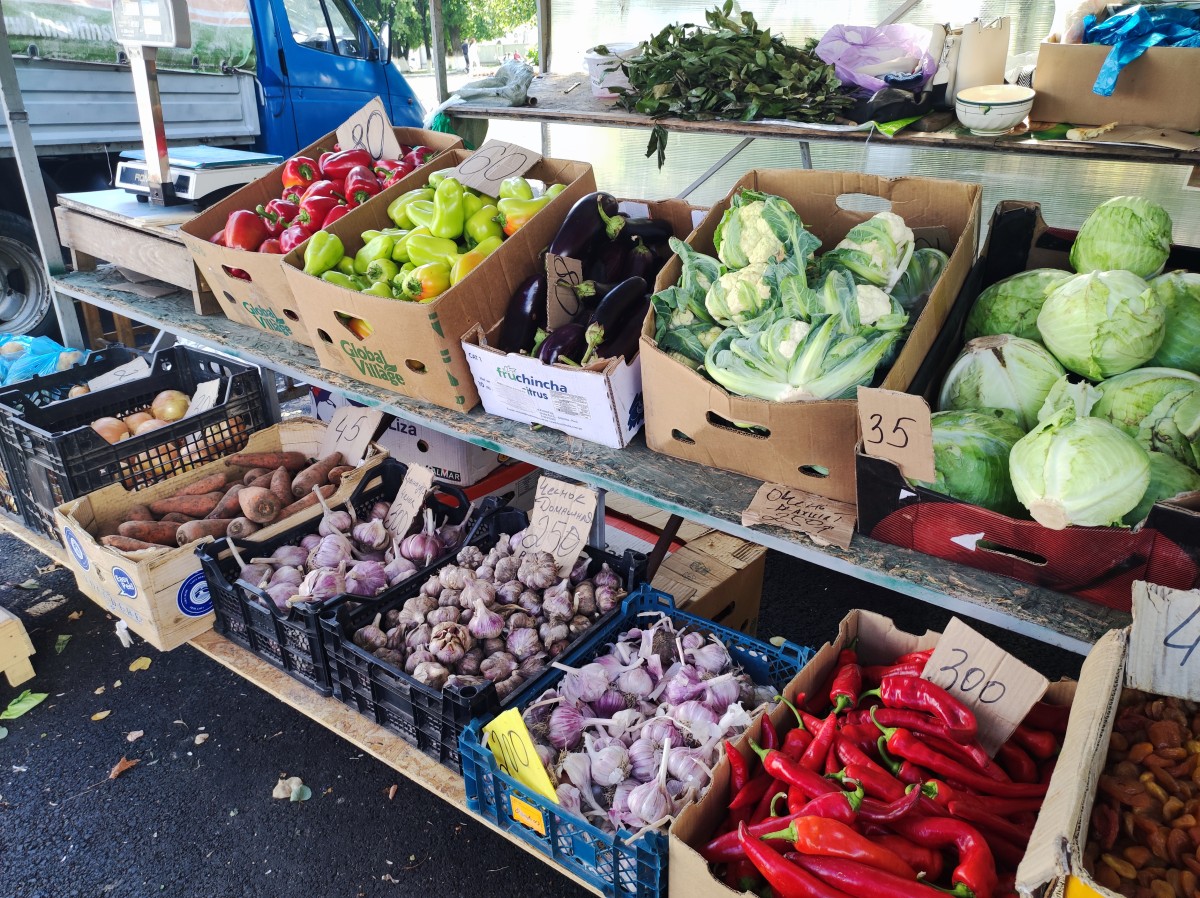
{"x":22,"y":703}
{"x":117,"y":684}
{"x":392,"y":791}
{"x":61,"y":643}
{"x":99,"y":691}
{"x":122,"y":765}
{"x":134,"y":736}
{"x":100,"y":715}
{"x":52,"y":566}
{"x":3,"y":732}
{"x":201,"y":738}
{"x":292,"y":788}
{"x":75,"y":615}
{"x":28,"y":584}
{"x":141,"y":663}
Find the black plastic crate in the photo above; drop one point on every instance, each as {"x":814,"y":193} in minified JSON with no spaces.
{"x":55,"y":455}
{"x":293,"y":641}
{"x":427,"y":718}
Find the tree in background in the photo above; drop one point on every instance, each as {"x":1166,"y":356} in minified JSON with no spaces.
{"x":483,"y":20}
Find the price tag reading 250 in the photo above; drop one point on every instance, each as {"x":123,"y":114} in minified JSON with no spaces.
{"x":896,"y":426}
{"x":561,"y":521}
{"x":496,"y":160}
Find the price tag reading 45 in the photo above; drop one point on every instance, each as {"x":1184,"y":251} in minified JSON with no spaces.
{"x":561,"y":521}
{"x":987,"y":679}
{"x":410,"y":499}
{"x":496,"y":160}
{"x":513,"y":747}
{"x":350,"y":432}
{"x":1162,"y":653}
{"x":896,"y":426}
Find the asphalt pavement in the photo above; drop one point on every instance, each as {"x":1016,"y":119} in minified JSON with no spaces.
{"x":195,"y":816}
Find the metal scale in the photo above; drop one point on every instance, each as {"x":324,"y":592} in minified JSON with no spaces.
{"x":186,"y":174}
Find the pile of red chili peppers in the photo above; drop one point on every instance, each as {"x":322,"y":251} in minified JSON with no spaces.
{"x":889,"y":795}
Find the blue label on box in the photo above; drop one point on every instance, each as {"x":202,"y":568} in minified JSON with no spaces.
{"x":76,"y":549}
{"x":193,"y":598}
{"x":124,"y":583}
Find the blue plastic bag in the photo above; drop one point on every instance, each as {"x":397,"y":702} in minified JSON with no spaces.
{"x":23,"y":357}
{"x":1132,"y":32}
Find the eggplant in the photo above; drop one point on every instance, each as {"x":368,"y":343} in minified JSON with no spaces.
{"x":624,"y":341}
{"x":525,"y":315}
{"x":643,"y":262}
{"x":610,"y":263}
{"x":565,"y":342}
{"x":591,"y":292}
{"x":614,"y":312}
{"x":651,"y":230}
{"x":590,"y":219}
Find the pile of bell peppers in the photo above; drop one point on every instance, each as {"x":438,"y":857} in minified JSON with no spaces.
{"x":316,"y":193}
{"x":441,"y":233}
{"x":888,"y":794}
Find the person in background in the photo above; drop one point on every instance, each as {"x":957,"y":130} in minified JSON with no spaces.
{"x":466,"y":50}
{"x":472,"y":55}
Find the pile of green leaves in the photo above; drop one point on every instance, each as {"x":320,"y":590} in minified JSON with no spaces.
{"x":731,"y":69}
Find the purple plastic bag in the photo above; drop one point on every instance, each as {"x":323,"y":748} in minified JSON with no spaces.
{"x":851,"y":47}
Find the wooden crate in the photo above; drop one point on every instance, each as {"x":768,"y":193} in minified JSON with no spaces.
{"x":15,"y":649}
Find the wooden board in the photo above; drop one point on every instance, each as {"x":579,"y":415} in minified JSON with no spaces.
{"x":710,"y":497}
{"x":15,"y":649}
{"x":378,"y":742}
{"x":123,"y":208}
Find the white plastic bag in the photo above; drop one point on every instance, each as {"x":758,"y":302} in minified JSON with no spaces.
{"x":1067,"y":27}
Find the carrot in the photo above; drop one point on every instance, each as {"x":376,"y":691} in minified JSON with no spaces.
{"x":228,"y":506}
{"x":315,"y":475}
{"x":262,"y":480}
{"x":209,"y":484}
{"x":174,"y":517}
{"x":258,"y":504}
{"x":293,"y":461}
{"x":242,"y":527}
{"x":138,"y":513}
{"x":127,"y":544}
{"x":308,"y":501}
{"x":338,"y":472}
{"x":253,"y":474}
{"x":192,"y":506}
{"x":281,"y":486}
{"x":150,"y":532}
{"x":194,"y":530}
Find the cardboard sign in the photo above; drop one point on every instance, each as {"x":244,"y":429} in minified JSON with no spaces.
{"x":896,"y":426}
{"x":496,"y":160}
{"x":410,"y":499}
{"x":350,"y":432}
{"x":825,"y":521}
{"x":987,"y":679}
{"x":513,"y":747}
{"x":370,"y":129}
{"x":560,"y":521}
{"x":562,"y":304}
{"x":1163,"y":641}
{"x":204,"y":398}
{"x":120,"y":375}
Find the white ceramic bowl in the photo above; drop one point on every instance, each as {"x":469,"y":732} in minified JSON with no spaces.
{"x":993,"y":109}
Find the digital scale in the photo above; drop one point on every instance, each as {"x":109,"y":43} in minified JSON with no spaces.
{"x":197,"y":174}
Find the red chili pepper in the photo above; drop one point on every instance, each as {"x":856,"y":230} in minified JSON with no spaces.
{"x":873,"y":811}
{"x":314,"y":211}
{"x":334,"y":214}
{"x":361,"y":185}
{"x":1017,"y":763}
{"x":742,"y":876}
{"x":975,"y":874}
{"x":418,"y":156}
{"x":1042,"y":744}
{"x":778,"y":765}
{"x":847,"y":684}
{"x":804,"y":720}
{"x":848,"y":752}
{"x":834,"y":805}
{"x":762,"y":810}
{"x":751,"y":793}
{"x":919,"y":657}
{"x":864,"y":736}
{"x":1045,"y":716}
{"x":788,"y":880}
{"x":240,"y":273}
{"x":768,"y":736}
{"x":872,"y":676}
{"x":976,"y":813}
{"x":277,"y":215}
{"x":924,"y":860}
{"x":916,"y":694}
{"x":969,"y":753}
{"x":338,"y":165}
{"x":832,"y":762}
{"x":739,"y":768}
{"x":848,"y":655}
{"x":860,"y":879}
{"x":291,"y":238}
{"x":814,"y":756}
{"x":299,"y":171}
{"x":271,"y":245}
{"x":876,"y":783}
{"x":795,"y":742}
{"x":831,"y":838}
{"x":244,"y":230}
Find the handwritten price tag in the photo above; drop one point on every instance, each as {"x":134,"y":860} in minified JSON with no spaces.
{"x":496,"y":160}
{"x":562,"y":304}
{"x":561,"y":520}
{"x":987,"y":679}
{"x":370,"y":129}
{"x":1162,"y":653}
{"x":204,"y":398}
{"x":120,"y":375}
{"x":350,"y":432}
{"x":410,"y":499}
{"x":513,"y":747}
{"x":825,"y":521}
{"x":896,"y":426}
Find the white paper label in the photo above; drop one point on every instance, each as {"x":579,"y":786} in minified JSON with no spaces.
{"x":120,"y":375}
{"x":204,"y":398}
{"x":410,"y":499}
{"x":1162,"y":654}
{"x":561,"y":521}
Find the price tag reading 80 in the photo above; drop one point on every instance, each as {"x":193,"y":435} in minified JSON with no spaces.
{"x":496,"y":160}
{"x":370,"y":129}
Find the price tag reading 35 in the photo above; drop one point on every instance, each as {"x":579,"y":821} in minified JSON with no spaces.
{"x":410,"y":499}
{"x":896,"y":426}
{"x":349,"y":432}
{"x":561,"y":521}
{"x":496,"y":160}
{"x":1162,"y":654}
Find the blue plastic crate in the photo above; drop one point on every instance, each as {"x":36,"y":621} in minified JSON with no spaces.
{"x":601,"y":859}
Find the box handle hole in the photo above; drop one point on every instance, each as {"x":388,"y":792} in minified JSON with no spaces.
{"x":750,"y":430}
{"x":324,"y":336}
{"x":237,"y":273}
{"x":422,"y":446}
{"x":229,"y":296}
{"x":865,"y":203}
{"x":288,"y":313}
{"x":682,"y":437}
{"x":818,"y":471}
{"x":415,"y":366}
{"x":360,"y":327}
{"x":1020,"y":554}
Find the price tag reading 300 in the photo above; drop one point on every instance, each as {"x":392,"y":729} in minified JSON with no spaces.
{"x":561,"y":521}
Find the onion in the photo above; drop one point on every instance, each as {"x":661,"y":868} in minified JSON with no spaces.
{"x":112,"y":430}
{"x":78,"y":390}
{"x":170,"y":405}
{"x":147,"y":426}
{"x":136,"y":419}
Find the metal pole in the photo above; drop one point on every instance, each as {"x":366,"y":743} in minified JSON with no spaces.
{"x":438,"y":27}
{"x":543,"y":21}
{"x":17,"y":120}
{"x":899,"y":12}
{"x":714,"y":168}
{"x":143,"y":63}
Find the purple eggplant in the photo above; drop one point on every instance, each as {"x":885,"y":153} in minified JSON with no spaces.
{"x":565,"y":343}
{"x":526,"y":314}
{"x":624,"y":341}
{"x":591,"y":292}
{"x":610,"y":263}
{"x":643,"y":262}
{"x":651,"y":230}
{"x":592,"y":219}
{"x":619,"y":305}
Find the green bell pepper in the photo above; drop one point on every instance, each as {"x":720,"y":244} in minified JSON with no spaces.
{"x":423,"y":249}
{"x":485,"y":199}
{"x":554,"y":190}
{"x":482,"y":225}
{"x":346,"y":266}
{"x":396,"y":209}
{"x":382,"y":270}
{"x":322,"y":253}
{"x":400,"y":250}
{"x":379,"y":248}
{"x":421,"y":213}
{"x":341,"y":280}
{"x":448,"y":218}
{"x":471,"y":204}
{"x":515,"y":188}
{"x":488,"y":246}
{"x":380,"y":288}
{"x":436,"y":178}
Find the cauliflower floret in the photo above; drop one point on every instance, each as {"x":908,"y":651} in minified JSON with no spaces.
{"x":873,"y":304}
{"x":748,"y":238}
{"x":793,"y":337}
{"x":738,"y":296}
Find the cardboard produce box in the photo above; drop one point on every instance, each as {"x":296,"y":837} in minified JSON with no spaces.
{"x":808,"y":445}
{"x":162,"y":595}
{"x":1099,"y":564}
{"x":602,"y":402}
{"x":514,"y":483}
{"x":1156,"y":89}
{"x":415,"y":349}
{"x":265,"y":301}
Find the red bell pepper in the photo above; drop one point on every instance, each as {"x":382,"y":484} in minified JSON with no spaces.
{"x":244,"y":230}
{"x":324,"y":158}
{"x":299,"y":171}
{"x":218,"y":238}
{"x":784,"y":877}
{"x":277,"y":215}
{"x":387,"y":179}
{"x":361,"y":185}
{"x":418,"y":156}
{"x":291,"y":238}
{"x":338,"y":165}
{"x":313,"y":212}
{"x":383,"y":166}
{"x":334,"y":214}
{"x":271,"y":245}
{"x":324,"y":187}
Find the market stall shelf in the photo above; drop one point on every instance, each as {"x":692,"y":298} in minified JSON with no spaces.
{"x":711,"y":497}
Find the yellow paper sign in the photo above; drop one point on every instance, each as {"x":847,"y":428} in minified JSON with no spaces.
{"x":513,"y":747}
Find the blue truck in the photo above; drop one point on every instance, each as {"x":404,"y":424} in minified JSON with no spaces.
{"x":267,"y":75}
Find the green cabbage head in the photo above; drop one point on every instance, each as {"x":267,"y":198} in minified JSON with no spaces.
{"x":1079,"y":396}
{"x":1126,"y":232}
{"x":1168,"y":478}
{"x":1179,"y":292}
{"x":1001,"y":371}
{"x":1078,"y":471}
{"x":1011,"y":306}
{"x":1127,"y":399}
{"x":970,"y":456}
{"x":1103,"y":323}
{"x":921,"y":276}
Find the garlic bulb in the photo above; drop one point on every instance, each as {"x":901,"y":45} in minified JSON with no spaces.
{"x":505,"y":569}
{"x":432,"y":586}
{"x":288,"y":575}
{"x":420,"y":656}
{"x":371,"y":637}
{"x":492,"y":646}
{"x":441,"y":616}
{"x":292,"y":556}
{"x":498,"y":667}
{"x":449,"y":642}
{"x":485,"y":623}
{"x":523,"y":643}
{"x":585,"y":599}
{"x":478,"y":591}
{"x":366,"y":579}
{"x":452,"y":576}
{"x":538,"y":570}
{"x":431,"y":673}
{"x":371,"y":534}
{"x":471,"y":661}
{"x":414,"y":610}
{"x":505,"y":688}
{"x":508,"y":593}
{"x":469,"y":556}
{"x":333,"y":549}
{"x":418,"y":637}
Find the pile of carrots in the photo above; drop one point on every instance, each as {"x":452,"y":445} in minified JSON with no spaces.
{"x":259,"y":488}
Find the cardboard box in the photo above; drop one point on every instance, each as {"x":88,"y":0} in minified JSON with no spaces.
{"x":162,"y":595}
{"x":453,"y":460}
{"x":879,"y":642}
{"x":810,"y":445}
{"x":1152,"y":90}
{"x":265,"y":301}
{"x":1099,"y":564}
{"x":415,"y":349}
{"x":602,"y":402}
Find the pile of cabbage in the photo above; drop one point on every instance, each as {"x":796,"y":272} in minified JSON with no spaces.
{"x":1077,"y":396}
{"x":769,"y":318}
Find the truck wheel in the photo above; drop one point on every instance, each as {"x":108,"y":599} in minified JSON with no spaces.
{"x":25,"y":306}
